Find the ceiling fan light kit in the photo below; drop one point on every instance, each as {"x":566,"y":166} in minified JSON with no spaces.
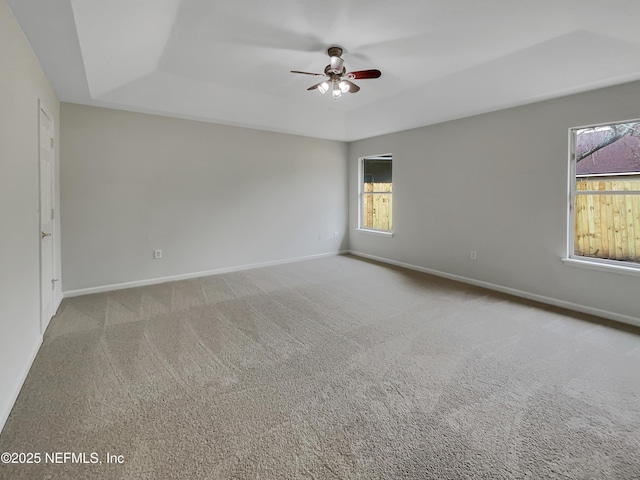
{"x":339,"y":81}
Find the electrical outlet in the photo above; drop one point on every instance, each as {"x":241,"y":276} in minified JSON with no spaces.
{"x":157,"y":254}
{"x":473,"y":255}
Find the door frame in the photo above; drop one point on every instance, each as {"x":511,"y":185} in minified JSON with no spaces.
{"x":44,"y":322}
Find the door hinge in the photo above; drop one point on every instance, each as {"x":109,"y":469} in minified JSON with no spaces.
{"x":53,"y":214}
{"x":53,"y":283}
{"x":51,"y":142}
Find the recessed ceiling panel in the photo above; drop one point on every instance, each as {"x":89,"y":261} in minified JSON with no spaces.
{"x":229,"y":61}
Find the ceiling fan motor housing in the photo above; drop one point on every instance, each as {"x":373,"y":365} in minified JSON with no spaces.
{"x":330,"y":72}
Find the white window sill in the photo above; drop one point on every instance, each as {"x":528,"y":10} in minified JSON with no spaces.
{"x":603,"y":267}
{"x":375,"y":232}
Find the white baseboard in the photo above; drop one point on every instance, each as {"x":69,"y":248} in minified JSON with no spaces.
{"x":511,"y":291}
{"x":4,"y":415}
{"x":187,"y":276}
{"x":58,"y":301}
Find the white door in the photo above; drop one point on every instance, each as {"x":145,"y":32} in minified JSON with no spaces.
{"x":46,"y":220}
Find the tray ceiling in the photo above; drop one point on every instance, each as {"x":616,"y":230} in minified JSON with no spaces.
{"x":228,"y":62}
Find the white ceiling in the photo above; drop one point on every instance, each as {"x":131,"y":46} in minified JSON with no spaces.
{"x":228,"y":61}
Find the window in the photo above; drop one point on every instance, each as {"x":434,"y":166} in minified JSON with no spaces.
{"x":605,"y":194}
{"x":376,"y":193}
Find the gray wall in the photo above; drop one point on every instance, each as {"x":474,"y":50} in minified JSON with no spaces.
{"x":497,"y":184}
{"x":22,"y":84}
{"x":210,"y":196}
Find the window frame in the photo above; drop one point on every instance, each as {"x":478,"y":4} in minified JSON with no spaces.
{"x":608,"y":265}
{"x":361,"y":192}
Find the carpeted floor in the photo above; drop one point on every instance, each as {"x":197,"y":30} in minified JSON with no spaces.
{"x":335,"y":368}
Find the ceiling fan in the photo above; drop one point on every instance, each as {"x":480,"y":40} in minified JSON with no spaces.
{"x":339,"y":80}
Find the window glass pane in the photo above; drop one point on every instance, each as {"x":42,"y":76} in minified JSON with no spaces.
{"x":376,"y":211}
{"x":607,"y":227}
{"x":375,"y":172}
{"x":608,"y":149}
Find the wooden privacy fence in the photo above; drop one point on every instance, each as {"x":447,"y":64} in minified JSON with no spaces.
{"x":608,"y":226}
{"x":376,"y":207}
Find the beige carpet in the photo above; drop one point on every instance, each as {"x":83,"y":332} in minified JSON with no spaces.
{"x":335,"y":368}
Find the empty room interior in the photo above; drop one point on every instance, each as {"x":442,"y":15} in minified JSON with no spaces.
{"x":335,"y":240}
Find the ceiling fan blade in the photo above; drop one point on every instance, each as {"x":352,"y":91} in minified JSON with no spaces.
{"x":364,"y":74}
{"x":308,"y":73}
{"x":353,"y":88}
